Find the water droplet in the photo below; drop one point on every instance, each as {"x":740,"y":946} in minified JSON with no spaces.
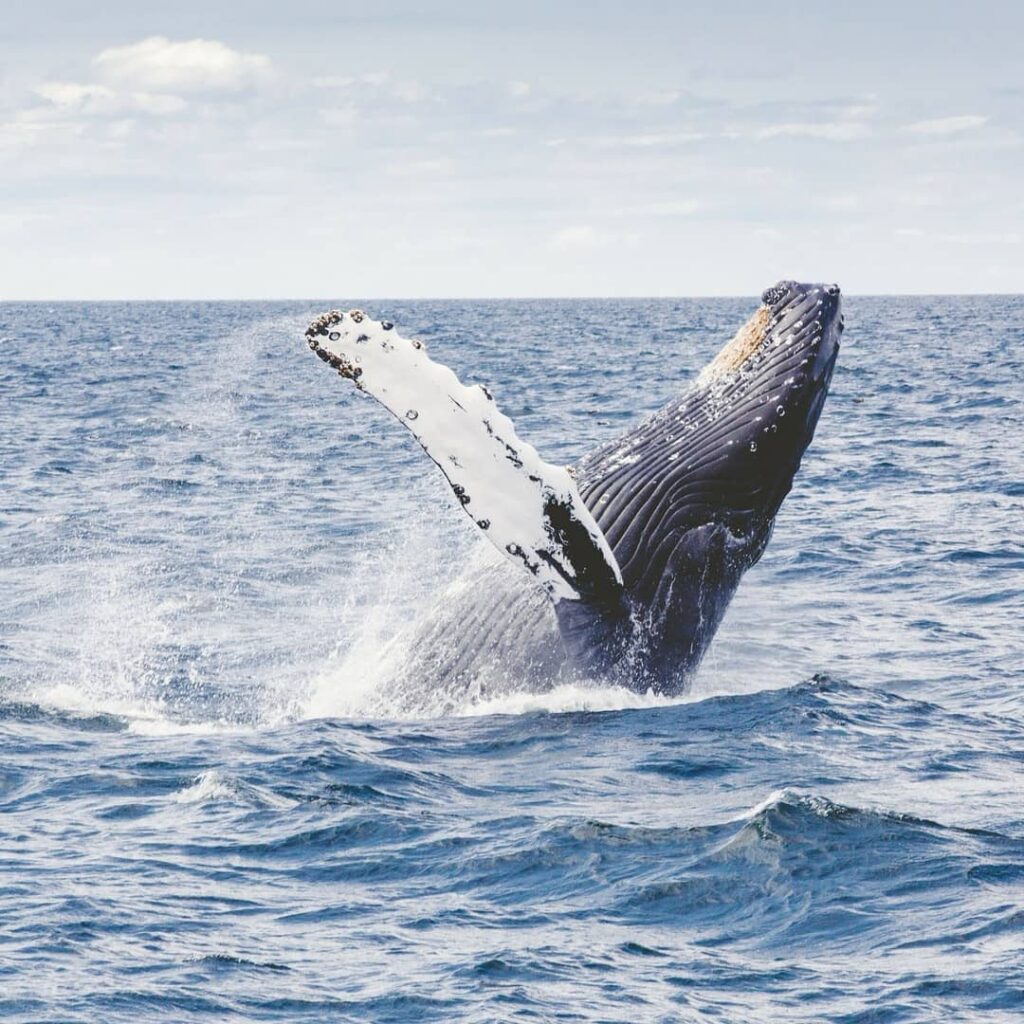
{"x":753,"y":446}
{"x":412,"y":414}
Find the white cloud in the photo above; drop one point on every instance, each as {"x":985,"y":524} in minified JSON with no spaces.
{"x":983,"y":238}
{"x":948,"y":125}
{"x":660,"y":99}
{"x":519,"y":89}
{"x":839,"y":203}
{"x":833,"y":131}
{"x":194,"y":65}
{"x":652,"y":139}
{"x":340,"y":117}
{"x":74,"y":94}
{"x":416,"y":168}
{"x":579,"y":236}
{"x":410,"y":92}
{"x":859,"y":110}
{"x":379,"y":84}
{"x":669,"y":208}
{"x":100,"y":100}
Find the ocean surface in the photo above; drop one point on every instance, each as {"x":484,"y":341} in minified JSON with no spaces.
{"x":210,"y":547}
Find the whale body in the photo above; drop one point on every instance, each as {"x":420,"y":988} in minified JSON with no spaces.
{"x":620,"y":568}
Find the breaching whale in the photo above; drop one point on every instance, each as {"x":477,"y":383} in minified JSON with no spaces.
{"x":627,"y":562}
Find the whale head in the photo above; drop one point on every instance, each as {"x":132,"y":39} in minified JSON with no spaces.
{"x":753,"y":409}
{"x":790,"y":341}
{"x":688,"y":499}
{"x":765,"y":389}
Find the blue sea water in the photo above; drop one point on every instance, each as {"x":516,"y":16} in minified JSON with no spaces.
{"x":210,"y":547}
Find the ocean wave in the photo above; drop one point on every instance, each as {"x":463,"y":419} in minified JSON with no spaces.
{"x":213,"y":809}
{"x":27,"y":711}
{"x":213,"y":786}
{"x":803,"y":869}
{"x":225,"y":962}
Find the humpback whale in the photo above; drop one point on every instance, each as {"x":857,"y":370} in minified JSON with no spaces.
{"x":621,"y":567}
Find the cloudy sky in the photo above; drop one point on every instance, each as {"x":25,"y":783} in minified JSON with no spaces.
{"x":327,"y":148}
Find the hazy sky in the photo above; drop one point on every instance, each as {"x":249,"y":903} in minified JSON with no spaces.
{"x":316,"y":148}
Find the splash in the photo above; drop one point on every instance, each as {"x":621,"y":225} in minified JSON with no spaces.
{"x":179,"y":598}
{"x":570,"y":697}
{"x":382,"y":601}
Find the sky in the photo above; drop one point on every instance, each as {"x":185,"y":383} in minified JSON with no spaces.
{"x":323,"y":148}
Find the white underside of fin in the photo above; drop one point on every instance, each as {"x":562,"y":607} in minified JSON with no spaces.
{"x":504,"y":486}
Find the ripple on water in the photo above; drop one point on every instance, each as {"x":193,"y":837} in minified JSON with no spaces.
{"x":210,"y":815}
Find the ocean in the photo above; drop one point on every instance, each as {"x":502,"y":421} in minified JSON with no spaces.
{"x":211,"y":549}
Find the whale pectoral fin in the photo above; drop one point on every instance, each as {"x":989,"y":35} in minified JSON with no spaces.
{"x":530,"y":510}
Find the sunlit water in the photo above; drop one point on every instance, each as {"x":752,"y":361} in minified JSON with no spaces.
{"x":208,"y":545}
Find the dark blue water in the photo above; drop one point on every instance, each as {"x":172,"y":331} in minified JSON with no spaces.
{"x":209,"y":548}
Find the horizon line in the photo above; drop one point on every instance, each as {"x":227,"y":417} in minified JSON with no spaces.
{"x":505,"y":298}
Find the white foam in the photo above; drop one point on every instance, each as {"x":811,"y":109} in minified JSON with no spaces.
{"x":206,"y":787}
{"x":773,"y":799}
{"x":570,"y":697}
{"x":386,"y":593}
{"x":153,"y":726}
{"x":143,"y":717}
{"x":213,"y":787}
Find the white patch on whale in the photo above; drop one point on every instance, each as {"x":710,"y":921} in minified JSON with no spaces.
{"x":500,"y":480}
